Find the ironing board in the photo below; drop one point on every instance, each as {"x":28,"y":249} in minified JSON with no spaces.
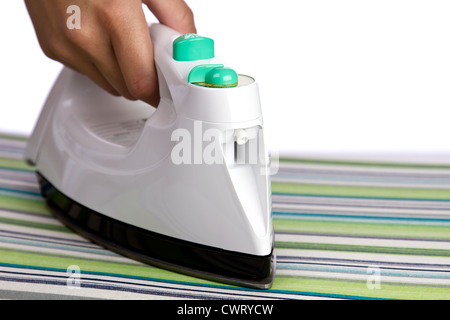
{"x":344,"y":230}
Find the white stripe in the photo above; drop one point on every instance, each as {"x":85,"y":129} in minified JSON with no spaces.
{"x":365,"y":277}
{"x":11,"y":155}
{"x":6,"y":234}
{"x":361,"y":263}
{"x":42,"y":232}
{"x":361,"y":169}
{"x":19,"y":185}
{"x":34,"y":237}
{"x":82,"y":293}
{"x":164,"y":284}
{"x":20,"y":144}
{"x":368,"y":183}
{"x":362,"y":202}
{"x":444,"y":245}
{"x":358,"y":256}
{"x":39,"y":218}
{"x":69,"y":254}
{"x":306,"y":208}
{"x":14,"y":175}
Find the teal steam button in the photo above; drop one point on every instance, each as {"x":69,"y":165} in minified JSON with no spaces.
{"x":213,"y":75}
{"x":191,"y":47}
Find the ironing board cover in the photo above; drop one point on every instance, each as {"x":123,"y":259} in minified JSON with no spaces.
{"x":344,"y":230}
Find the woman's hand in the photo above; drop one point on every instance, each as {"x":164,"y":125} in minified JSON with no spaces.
{"x":112,"y":45}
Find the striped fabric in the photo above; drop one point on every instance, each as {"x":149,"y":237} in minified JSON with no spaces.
{"x":344,"y":230}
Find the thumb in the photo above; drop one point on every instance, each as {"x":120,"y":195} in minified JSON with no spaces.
{"x":175,"y":14}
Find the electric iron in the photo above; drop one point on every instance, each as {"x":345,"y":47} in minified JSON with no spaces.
{"x":184,"y":186}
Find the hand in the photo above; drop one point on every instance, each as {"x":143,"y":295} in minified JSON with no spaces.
{"x":113,"y":45}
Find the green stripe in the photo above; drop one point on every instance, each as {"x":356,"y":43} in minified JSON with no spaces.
{"x":360,"y":248}
{"x":282,"y":283}
{"x":14,"y":136}
{"x":320,"y":227}
{"x":359,"y":288}
{"x":33,"y":224}
{"x":15,"y":164}
{"x":95,"y":266}
{"x":364,"y":163}
{"x":37,"y":206}
{"x":363,"y":192}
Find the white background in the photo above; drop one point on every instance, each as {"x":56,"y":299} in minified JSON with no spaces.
{"x":358,"y":77}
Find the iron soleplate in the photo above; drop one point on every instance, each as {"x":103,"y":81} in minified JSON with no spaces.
{"x":159,"y":250}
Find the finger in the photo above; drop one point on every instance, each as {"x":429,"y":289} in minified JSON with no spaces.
{"x":109,"y":68}
{"x":175,"y":14}
{"x":133,"y":50}
{"x":76,"y":58}
{"x":91,"y":49}
{"x":103,"y":58}
{"x":84,"y":66}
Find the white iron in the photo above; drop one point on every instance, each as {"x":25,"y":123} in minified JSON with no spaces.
{"x":185,"y":186}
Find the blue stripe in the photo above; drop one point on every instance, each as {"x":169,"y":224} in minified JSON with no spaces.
{"x":31,"y":170}
{"x":354,"y":197}
{"x":386,"y":180}
{"x":218,"y":286}
{"x":31,"y":193}
{"x":323,"y":215}
{"x":57,"y":246}
{"x":363,"y":270}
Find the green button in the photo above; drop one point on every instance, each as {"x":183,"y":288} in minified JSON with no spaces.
{"x":191,"y":47}
{"x":222,"y":77}
{"x":213,"y":75}
{"x":198,"y":73}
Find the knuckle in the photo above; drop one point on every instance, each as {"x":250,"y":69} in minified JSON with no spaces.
{"x":111,"y":15}
{"x":186,"y":17}
{"x":49,"y":52}
{"x":52,"y":48}
{"x":141,"y":88}
{"x":78,"y":37}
